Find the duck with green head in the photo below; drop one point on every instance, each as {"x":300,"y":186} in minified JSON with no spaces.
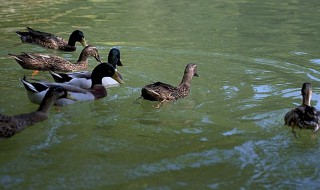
{"x":37,"y":89}
{"x":83,"y":78}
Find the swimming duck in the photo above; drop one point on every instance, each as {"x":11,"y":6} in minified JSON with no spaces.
{"x":51,"y":41}
{"x":114,"y":60}
{"x":37,"y":61}
{"x":9,"y":125}
{"x":36,"y":90}
{"x":165,"y":92}
{"x":83,"y":79}
{"x":305,"y":115}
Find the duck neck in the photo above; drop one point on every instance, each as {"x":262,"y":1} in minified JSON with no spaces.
{"x":71,"y":41}
{"x":83,"y":56}
{"x":186,"y":79}
{"x":306,"y":98}
{"x":113,"y":61}
{"x":46,"y":104}
{"x":96,"y":78}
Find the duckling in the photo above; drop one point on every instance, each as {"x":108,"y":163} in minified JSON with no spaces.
{"x":51,"y":41}
{"x":165,"y":92}
{"x":35,"y":90}
{"x":304,"y":116}
{"x":83,"y":78}
{"x":36,"y":61}
{"x":10,"y":125}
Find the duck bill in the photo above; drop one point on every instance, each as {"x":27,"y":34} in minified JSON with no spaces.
{"x":83,"y":42}
{"x":117,"y":78}
{"x":97,"y":57}
{"x":119,"y":63}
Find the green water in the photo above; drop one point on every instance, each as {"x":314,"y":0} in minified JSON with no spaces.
{"x":252,"y":57}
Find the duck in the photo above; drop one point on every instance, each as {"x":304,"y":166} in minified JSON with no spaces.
{"x":10,"y":125}
{"x":37,"y":89}
{"x":115,"y":60}
{"x":304,"y":116}
{"x":37,"y":61}
{"x":51,"y":41}
{"x":83,"y":78}
{"x":163,"y":92}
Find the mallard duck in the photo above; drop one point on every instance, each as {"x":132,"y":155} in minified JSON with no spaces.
{"x":51,"y":41}
{"x":36,"y":90}
{"x":83,"y":79}
{"x":115,"y":60}
{"x":9,"y":125}
{"x":114,"y":57}
{"x":165,"y":92}
{"x":36,"y":61}
{"x":305,"y":115}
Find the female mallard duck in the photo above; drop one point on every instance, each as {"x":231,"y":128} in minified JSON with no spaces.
{"x":305,"y":115}
{"x":83,"y":79}
{"x":51,"y":41}
{"x":36,"y":90}
{"x":36,"y":61}
{"x":165,"y":92}
{"x":9,"y":125}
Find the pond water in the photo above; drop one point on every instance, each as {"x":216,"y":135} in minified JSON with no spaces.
{"x":229,"y":133}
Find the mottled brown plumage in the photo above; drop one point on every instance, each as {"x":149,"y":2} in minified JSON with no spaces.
{"x":37,"y":61}
{"x":304,"y":116}
{"x":51,"y":41}
{"x":165,"y":92}
{"x":9,"y":125}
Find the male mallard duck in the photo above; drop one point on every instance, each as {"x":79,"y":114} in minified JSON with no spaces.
{"x":9,"y":125}
{"x":305,"y":115}
{"x":115,"y":60}
{"x":36,"y":61}
{"x":83,"y":79}
{"x":36,"y":90}
{"x":165,"y":92}
{"x":51,"y":41}
{"x":114,"y":57}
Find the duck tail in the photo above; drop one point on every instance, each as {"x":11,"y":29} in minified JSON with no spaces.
{"x":25,"y":36}
{"x":15,"y":56}
{"x":21,"y":34}
{"x":28,"y":85}
{"x":54,"y":75}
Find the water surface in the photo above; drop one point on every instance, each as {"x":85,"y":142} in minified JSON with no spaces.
{"x":252,"y":58}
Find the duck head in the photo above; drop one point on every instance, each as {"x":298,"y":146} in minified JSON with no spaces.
{"x":114,"y":57}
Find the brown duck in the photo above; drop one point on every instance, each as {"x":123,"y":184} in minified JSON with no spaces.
{"x":165,"y":92}
{"x":304,"y":116}
{"x":9,"y":125}
{"x":37,"y":61}
{"x":51,"y":41}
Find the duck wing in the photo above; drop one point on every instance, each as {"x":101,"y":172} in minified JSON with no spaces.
{"x":158,"y":91}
